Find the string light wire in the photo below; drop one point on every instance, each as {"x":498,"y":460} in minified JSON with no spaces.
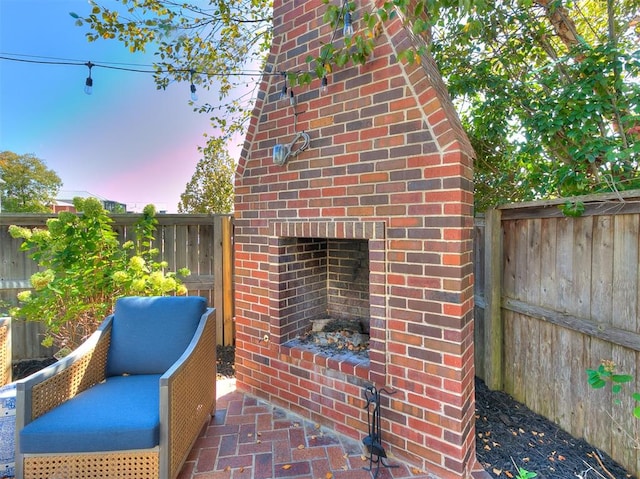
{"x":127,"y":67}
{"x":114,"y":66}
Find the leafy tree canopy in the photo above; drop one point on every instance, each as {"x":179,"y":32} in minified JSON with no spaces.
{"x":547,"y":89}
{"x":29,"y":186}
{"x":210,"y":189}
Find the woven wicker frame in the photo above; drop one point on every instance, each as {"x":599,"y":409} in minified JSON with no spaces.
{"x":5,"y":350}
{"x":137,"y":464}
{"x":187,"y":400}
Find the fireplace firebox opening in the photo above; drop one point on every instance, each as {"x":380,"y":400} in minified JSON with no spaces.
{"x":324,"y":294}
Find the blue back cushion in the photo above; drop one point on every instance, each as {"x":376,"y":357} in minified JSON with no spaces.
{"x":150,"y":333}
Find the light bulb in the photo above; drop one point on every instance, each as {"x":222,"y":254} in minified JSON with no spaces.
{"x":88,"y":86}
{"x":324,"y":88}
{"x":283,"y":94}
{"x":292,"y":98}
{"x":284,"y":97}
{"x":347,"y":30}
{"x":194,"y":95}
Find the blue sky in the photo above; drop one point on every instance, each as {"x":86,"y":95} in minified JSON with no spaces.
{"x":127,"y":141}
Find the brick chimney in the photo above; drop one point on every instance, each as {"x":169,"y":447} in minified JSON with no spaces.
{"x":387,"y":177}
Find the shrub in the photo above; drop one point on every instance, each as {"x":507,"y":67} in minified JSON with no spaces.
{"x":606,"y":375}
{"x":84,"y":269}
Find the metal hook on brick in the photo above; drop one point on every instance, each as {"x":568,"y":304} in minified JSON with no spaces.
{"x":282,"y":151}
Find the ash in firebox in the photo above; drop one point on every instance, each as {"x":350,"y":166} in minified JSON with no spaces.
{"x":337,"y":337}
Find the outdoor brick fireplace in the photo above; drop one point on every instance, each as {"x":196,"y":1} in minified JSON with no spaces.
{"x":372,"y":223}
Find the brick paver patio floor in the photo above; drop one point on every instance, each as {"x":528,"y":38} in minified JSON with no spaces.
{"x":251,"y":439}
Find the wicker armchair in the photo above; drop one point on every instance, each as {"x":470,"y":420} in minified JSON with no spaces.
{"x":5,"y":351}
{"x":136,"y":350}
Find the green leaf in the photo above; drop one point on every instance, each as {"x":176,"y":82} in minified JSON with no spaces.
{"x":621,"y":378}
{"x":573,"y":209}
{"x":419,"y":8}
{"x":305,"y":78}
{"x":597,"y":383}
{"x":419,"y":26}
{"x":524,"y":474}
{"x":74,"y":14}
{"x":371,"y":21}
{"x":342,"y":58}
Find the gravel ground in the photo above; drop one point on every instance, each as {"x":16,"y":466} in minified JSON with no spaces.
{"x":508,"y":434}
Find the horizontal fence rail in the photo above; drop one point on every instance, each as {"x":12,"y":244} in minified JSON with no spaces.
{"x":555,"y":296}
{"x":201,"y":243}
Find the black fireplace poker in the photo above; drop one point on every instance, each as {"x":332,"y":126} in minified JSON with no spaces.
{"x":373,"y":442}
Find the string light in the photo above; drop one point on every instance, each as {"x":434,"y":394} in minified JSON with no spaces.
{"x":347,"y":29}
{"x":88,"y":84}
{"x":194,"y":95}
{"x":283,"y":93}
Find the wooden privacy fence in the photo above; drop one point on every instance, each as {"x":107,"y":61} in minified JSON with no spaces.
{"x":202,"y":243}
{"x":554,"y":296}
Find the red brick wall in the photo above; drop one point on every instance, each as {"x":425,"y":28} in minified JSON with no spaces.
{"x":387,"y":163}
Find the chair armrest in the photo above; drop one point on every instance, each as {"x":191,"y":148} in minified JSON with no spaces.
{"x":187,"y":396}
{"x":55,"y":384}
{"x":5,"y":350}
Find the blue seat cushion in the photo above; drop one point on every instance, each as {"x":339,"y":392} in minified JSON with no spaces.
{"x":120,"y":413}
{"x":149,"y":334}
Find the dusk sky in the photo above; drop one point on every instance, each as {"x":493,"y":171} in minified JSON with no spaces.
{"x":127,"y":141}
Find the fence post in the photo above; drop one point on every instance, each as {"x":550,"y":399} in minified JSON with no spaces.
{"x":227,"y":279}
{"x":223,"y":278}
{"x":493,"y":332}
{"x":218,"y":280}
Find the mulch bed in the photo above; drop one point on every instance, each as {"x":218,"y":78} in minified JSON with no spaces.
{"x":226,"y":358}
{"x":22,"y":369}
{"x":508,"y":434}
